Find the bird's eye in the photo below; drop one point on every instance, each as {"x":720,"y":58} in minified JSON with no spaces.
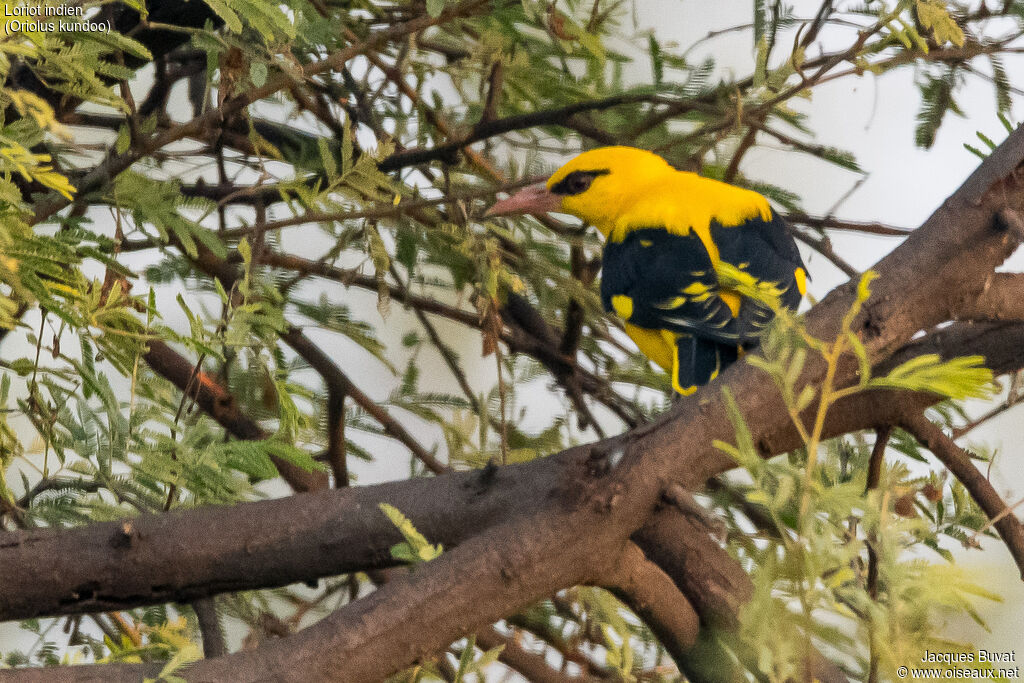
{"x":576,"y":182}
{"x":579,"y":183}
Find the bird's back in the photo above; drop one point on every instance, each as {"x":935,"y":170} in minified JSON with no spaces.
{"x":680,"y":202}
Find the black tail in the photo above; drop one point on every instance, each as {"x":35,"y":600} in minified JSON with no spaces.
{"x":697,"y":361}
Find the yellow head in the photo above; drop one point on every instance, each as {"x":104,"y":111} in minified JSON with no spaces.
{"x":598,"y":186}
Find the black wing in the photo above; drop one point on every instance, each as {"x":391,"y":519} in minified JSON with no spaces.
{"x":766,"y":250}
{"x":661,"y":281}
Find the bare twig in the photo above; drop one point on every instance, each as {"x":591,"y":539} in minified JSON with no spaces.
{"x":650,"y":592}
{"x":959,"y":463}
{"x":218,"y":403}
{"x":874,"y":474}
{"x":336,"y":455}
{"x":338,"y":381}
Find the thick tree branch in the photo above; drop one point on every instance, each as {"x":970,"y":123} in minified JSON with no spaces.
{"x":712,"y":581}
{"x":117,"y":565}
{"x":209,"y":627}
{"x":649,"y":592}
{"x":998,"y":342}
{"x":335,"y":536}
{"x":1001,"y":300}
{"x":303,"y":538}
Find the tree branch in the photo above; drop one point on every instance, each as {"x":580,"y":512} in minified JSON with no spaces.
{"x":115,"y":163}
{"x":209,"y":627}
{"x":1001,"y":300}
{"x":533,"y":667}
{"x":338,"y":381}
{"x":336,"y":454}
{"x":333,"y":538}
{"x":487,"y":129}
{"x":652,"y":595}
{"x":119,"y":565}
{"x":832,"y":223}
{"x":958,"y":460}
{"x":218,"y":403}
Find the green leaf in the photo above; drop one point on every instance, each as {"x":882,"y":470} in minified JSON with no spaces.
{"x":466,"y":659}
{"x":487,"y":658}
{"x":744,"y":451}
{"x":258,"y":74}
{"x":657,"y":62}
{"x":124,"y":140}
{"x":245,"y":251}
{"x":863,"y":362}
{"x":416,"y":548}
{"x":958,"y":379}
{"x":295,"y":456}
{"x":975,"y":151}
{"x":934,"y":15}
{"x":117,"y":41}
{"x":222,"y":10}
{"x":24,"y":367}
{"x":936,"y":101}
{"x":435,"y":7}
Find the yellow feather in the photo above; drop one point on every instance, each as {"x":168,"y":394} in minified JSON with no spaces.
{"x":732,"y":300}
{"x":657,"y":345}
{"x":685,"y":391}
{"x":623,"y":306}
{"x":645,"y":192}
{"x":801,"y":280}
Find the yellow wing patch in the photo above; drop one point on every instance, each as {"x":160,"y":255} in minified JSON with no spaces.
{"x":718,"y":367}
{"x":623,"y":306}
{"x":732,"y":300}
{"x":801,"y":280}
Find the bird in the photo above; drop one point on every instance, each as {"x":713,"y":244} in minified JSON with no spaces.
{"x":675,"y":246}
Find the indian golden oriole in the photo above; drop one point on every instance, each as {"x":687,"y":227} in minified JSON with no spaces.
{"x":667,"y":235}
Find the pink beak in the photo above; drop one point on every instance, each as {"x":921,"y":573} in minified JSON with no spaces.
{"x":536,"y":199}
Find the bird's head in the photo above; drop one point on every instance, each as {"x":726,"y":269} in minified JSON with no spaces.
{"x":597,"y":186}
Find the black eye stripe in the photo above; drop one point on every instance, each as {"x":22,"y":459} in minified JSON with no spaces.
{"x":577,"y":182}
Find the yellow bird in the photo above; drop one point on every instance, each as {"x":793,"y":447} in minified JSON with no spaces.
{"x":667,"y":235}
